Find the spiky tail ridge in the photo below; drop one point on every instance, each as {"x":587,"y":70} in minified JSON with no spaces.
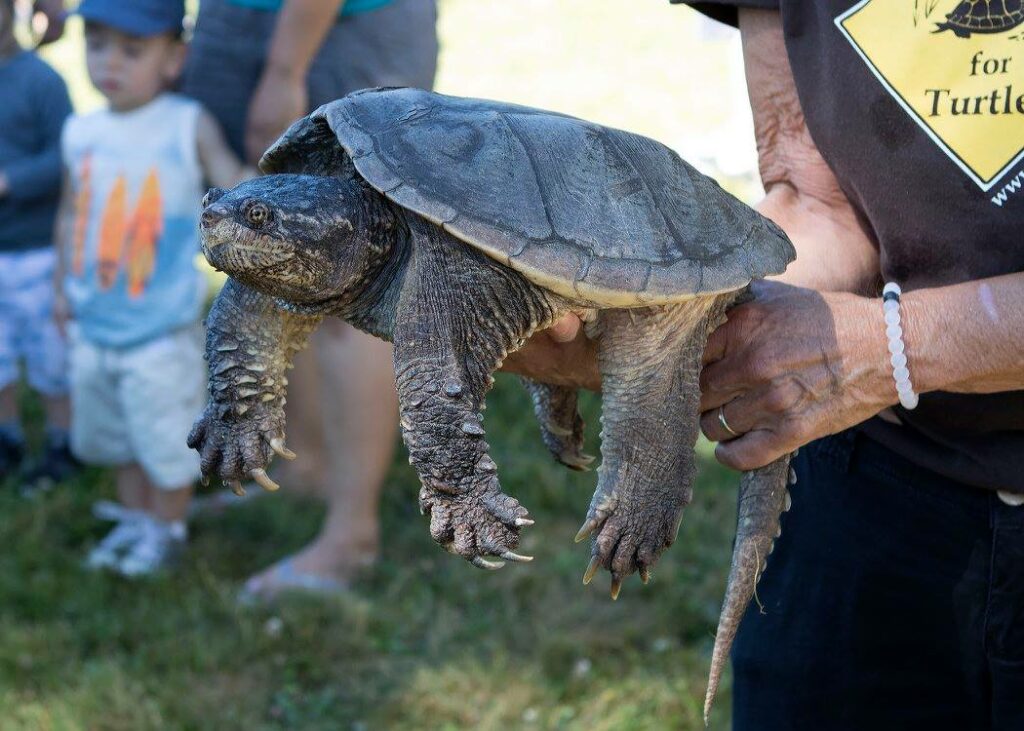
{"x":762,"y":500}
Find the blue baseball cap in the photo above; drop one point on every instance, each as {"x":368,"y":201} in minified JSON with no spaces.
{"x":136,"y":17}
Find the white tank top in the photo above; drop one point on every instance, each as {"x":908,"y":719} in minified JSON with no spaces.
{"x":137,"y":185}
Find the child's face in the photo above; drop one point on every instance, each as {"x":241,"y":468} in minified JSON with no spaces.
{"x":131,"y":70}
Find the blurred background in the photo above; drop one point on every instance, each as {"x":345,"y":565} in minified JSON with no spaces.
{"x":424,"y":641}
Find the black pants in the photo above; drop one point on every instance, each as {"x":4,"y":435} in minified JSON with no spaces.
{"x":894,"y":599}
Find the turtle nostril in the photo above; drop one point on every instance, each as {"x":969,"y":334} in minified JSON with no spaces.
{"x":208,"y":218}
{"x":212,"y":196}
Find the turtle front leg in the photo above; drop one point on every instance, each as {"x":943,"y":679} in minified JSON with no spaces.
{"x":250,"y":343}
{"x":459,"y":315}
{"x":561,"y":426}
{"x":650,"y":364}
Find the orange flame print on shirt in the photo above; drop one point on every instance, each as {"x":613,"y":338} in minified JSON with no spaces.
{"x":144,"y":234}
{"x":81,"y":229}
{"x":112,"y":230}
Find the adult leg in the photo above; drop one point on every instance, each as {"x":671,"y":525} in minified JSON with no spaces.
{"x":1004,"y":628}
{"x":344,"y":384}
{"x":358,"y":420}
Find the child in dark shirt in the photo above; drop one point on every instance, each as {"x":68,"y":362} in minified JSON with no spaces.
{"x":33,"y":106}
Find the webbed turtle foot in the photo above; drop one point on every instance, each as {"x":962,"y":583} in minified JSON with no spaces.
{"x":478,"y":528}
{"x":239,"y":450}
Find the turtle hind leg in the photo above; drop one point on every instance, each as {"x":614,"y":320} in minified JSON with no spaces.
{"x":650,"y":361}
{"x":561,"y":425}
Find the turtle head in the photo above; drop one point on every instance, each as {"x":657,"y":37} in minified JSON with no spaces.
{"x":303,"y":239}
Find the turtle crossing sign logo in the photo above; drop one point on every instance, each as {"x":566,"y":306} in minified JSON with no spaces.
{"x":957,"y":68}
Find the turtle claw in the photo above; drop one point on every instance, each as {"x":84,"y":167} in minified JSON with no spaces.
{"x":513,"y":556}
{"x":616,"y":587}
{"x":645,"y":574}
{"x":236,"y":487}
{"x":521,"y":522}
{"x":261,"y":478}
{"x":482,"y":563}
{"x":576,"y":461}
{"x":586,"y":530}
{"x":588,"y":575}
{"x":277,"y":444}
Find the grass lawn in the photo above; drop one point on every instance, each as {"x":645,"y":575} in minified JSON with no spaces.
{"x":424,"y":641}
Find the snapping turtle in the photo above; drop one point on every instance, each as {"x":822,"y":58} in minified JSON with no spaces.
{"x":456,"y":228}
{"x":983,"y":16}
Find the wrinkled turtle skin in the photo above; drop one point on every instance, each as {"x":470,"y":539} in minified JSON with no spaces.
{"x":456,"y":228}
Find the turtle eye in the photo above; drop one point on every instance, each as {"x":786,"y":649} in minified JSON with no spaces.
{"x":257,"y":214}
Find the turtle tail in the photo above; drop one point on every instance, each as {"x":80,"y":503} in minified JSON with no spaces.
{"x":763,"y":498}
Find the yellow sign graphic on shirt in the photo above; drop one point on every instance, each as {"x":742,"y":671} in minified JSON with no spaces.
{"x":957,"y":68}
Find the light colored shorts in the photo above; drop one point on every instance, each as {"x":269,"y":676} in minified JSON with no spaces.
{"x":137,"y":405}
{"x":27,"y":332}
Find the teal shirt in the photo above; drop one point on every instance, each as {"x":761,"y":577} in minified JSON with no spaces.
{"x":351,"y":7}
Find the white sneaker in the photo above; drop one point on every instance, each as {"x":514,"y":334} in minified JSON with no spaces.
{"x":158,"y":547}
{"x":108,"y":553}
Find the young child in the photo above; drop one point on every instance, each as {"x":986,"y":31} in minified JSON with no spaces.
{"x":33,"y":106}
{"x":128,"y":241}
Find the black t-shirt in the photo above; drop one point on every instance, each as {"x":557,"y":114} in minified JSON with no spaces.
{"x":918,"y":109}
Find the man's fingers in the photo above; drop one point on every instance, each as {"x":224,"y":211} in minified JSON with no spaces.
{"x":715,"y":347}
{"x":752,"y":450}
{"x":737,"y":417}
{"x":721,"y":382}
{"x":565,"y":329}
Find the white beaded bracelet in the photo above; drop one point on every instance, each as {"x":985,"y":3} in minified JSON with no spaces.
{"x":897,"y":355}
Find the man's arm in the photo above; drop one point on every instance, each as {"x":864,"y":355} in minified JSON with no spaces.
{"x":796,"y":364}
{"x":281,"y":95}
{"x":834,"y":250}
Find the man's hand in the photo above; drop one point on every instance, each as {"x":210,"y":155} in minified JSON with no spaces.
{"x":562,"y":355}
{"x":280,"y":99}
{"x":792,"y":366}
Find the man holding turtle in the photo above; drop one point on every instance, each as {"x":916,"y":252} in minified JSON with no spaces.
{"x":895,"y":593}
